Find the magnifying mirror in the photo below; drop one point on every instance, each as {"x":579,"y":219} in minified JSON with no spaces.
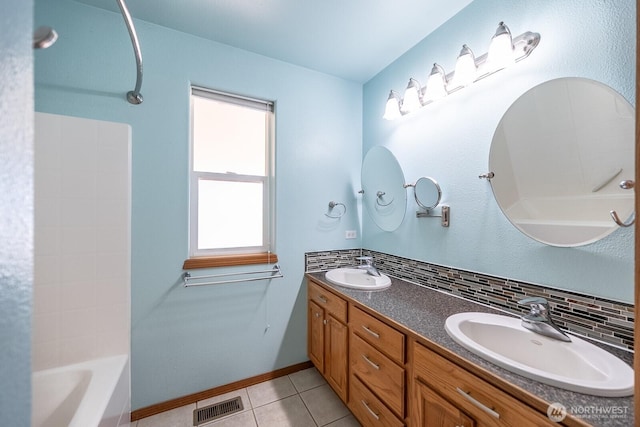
{"x":427,"y":193}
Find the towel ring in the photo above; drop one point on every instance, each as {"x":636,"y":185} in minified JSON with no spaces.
{"x":625,"y":185}
{"x":332,"y":205}
{"x":617,"y":220}
{"x":379,"y":195}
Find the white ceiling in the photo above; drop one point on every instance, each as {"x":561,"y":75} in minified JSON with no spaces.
{"x":352,"y":39}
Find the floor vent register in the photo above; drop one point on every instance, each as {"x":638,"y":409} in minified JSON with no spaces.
{"x":217,"y":410}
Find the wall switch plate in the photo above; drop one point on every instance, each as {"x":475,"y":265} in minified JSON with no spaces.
{"x":350,"y":234}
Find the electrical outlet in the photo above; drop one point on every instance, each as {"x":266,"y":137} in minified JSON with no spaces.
{"x":350,"y":234}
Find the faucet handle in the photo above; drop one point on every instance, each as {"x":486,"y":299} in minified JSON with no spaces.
{"x":534,"y":300}
{"x":367,"y":259}
{"x":539,"y":308}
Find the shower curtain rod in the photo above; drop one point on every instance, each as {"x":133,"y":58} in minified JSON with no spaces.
{"x":134,"y":96}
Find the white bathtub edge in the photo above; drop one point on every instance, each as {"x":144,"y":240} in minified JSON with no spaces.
{"x":106,"y":374}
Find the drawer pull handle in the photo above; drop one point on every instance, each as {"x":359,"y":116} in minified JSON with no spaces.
{"x":371,"y":332}
{"x":373,"y":414}
{"x":322,"y":298}
{"x":370,"y":362}
{"x":477,"y":403}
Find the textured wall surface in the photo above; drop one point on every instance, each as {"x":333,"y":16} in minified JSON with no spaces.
{"x":16,"y":211}
{"x":450,"y":140}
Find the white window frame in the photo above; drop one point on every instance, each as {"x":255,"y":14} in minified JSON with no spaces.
{"x":268,"y":180}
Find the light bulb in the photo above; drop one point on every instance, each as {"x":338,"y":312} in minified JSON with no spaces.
{"x":466,"y":70}
{"x":392,"y":109}
{"x":436,"y":85}
{"x":411,"y":101}
{"x":501,"y":49}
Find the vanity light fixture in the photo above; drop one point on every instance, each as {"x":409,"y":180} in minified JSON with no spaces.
{"x":503,"y":52}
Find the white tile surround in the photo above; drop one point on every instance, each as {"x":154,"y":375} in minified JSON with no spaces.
{"x":82,"y":240}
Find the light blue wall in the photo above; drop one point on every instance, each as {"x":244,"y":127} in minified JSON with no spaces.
{"x":187,"y":340}
{"x":450,"y":140}
{"x":16,"y":211}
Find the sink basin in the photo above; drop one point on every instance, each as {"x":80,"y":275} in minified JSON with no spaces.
{"x":577,"y":365}
{"x":356,"y":278}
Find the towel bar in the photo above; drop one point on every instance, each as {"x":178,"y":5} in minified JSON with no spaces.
{"x":188,"y":278}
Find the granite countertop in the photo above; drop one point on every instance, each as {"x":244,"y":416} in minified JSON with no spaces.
{"x":424,"y":311}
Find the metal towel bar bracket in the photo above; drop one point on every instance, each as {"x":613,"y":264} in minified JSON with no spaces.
{"x":189,"y":280}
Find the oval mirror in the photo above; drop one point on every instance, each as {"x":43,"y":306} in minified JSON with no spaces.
{"x":558,"y":156}
{"x":385,"y":197}
{"x":427,"y":193}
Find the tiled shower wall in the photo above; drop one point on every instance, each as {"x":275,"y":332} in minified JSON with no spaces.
{"x":82,"y":240}
{"x":602,"y":319}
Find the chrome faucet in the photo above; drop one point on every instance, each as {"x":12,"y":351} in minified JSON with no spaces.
{"x":539,"y":319}
{"x":368,"y":265}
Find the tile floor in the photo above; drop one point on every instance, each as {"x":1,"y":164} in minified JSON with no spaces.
{"x":302,"y":399}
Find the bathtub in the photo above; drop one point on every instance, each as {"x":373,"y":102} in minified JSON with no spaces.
{"x":88,"y":394}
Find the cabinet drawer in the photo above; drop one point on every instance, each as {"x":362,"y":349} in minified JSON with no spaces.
{"x":367,"y":407}
{"x":381,"y":374}
{"x":329,"y":301}
{"x":378,"y":334}
{"x":462,"y":388}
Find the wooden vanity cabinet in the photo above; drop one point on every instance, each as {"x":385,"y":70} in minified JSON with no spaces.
{"x":445,"y":394}
{"x":328,"y":337}
{"x":387,"y":377}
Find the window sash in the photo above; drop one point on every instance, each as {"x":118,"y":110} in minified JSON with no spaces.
{"x":268,"y":220}
{"x":197,"y":179}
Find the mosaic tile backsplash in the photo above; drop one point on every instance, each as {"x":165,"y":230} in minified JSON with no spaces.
{"x":602,"y":319}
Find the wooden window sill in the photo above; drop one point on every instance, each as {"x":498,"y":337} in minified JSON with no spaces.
{"x":229,"y":260}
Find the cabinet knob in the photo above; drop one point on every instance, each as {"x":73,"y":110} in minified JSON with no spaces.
{"x":324,"y":321}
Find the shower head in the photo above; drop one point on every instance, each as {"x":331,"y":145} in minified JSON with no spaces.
{"x":43,"y":37}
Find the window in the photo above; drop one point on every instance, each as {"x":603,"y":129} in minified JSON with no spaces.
{"x":231,"y":183}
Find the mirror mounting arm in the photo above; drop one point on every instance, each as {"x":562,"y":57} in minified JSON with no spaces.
{"x":487,"y":176}
{"x":445,"y":215}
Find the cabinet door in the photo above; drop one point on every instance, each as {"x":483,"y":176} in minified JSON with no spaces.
{"x":437,"y":412}
{"x":315,"y":340}
{"x":336,"y":350}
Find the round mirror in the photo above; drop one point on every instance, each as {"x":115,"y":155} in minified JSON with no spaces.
{"x":559,"y":155}
{"x":427,"y":193}
{"x":385,"y":197}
